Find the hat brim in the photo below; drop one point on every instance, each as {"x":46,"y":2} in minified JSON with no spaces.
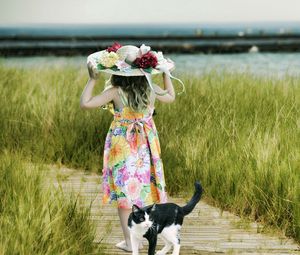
{"x":92,"y":58}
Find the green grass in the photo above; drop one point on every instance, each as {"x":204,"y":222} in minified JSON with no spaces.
{"x":237,"y":133}
{"x":34,"y":220}
{"x":240,"y":136}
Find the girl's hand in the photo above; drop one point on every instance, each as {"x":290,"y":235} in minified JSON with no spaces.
{"x":93,"y":72}
{"x":163,"y":68}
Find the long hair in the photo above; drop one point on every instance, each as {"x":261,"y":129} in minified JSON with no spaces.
{"x":136,"y":88}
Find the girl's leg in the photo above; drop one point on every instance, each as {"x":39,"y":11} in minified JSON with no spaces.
{"x":123,"y":215}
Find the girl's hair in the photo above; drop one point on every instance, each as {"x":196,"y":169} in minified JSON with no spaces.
{"x":136,"y":88}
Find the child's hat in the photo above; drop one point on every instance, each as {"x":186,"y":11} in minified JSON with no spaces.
{"x":129,"y":60}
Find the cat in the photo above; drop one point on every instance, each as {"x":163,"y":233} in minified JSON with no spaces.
{"x":165,"y":219}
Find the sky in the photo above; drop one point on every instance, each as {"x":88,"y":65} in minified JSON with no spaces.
{"x":146,"y":11}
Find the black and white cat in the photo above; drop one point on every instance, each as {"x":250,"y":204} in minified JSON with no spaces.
{"x":165,"y":219}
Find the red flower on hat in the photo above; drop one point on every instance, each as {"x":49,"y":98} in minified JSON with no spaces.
{"x":147,"y":60}
{"x":114,"y":47}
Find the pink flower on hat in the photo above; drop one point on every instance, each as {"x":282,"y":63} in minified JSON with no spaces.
{"x":114,"y":47}
{"x":123,"y":66}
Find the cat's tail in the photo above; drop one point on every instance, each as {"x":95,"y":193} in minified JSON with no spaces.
{"x":194,"y":200}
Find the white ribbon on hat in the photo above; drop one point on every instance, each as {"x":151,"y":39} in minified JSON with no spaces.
{"x":175,"y":78}
{"x":143,"y":50}
{"x":148,"y":77}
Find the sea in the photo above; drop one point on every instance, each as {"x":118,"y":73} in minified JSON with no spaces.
{"x":184,"y":29}
{"x":276,"y":64}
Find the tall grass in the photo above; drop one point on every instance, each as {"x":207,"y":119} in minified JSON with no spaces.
{"x":38,"y":221}
{"x":237,"y":133}
{"x":240,"y":136}
{"x":40,"y":115}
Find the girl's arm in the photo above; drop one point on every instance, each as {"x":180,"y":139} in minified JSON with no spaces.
{"x":87,"y":101}
{"x":168,"y":85}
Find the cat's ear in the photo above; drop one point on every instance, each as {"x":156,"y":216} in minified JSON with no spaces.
{"x":153,"y":208}
{"x":135,"y":208}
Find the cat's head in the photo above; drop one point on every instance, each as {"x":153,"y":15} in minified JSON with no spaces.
{"x":141,"y":216}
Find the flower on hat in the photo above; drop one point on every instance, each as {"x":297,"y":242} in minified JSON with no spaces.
{"x":114,"y":47}
{"x":123,"y":66}
{"x":108,"y":59}
{"x":144,"y":49}
{"x":129,"y":57}
{"x":147,"y":60}
{"x":160,"y":58}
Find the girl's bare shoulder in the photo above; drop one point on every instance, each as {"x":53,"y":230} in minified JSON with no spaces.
{"x":111,"y":89}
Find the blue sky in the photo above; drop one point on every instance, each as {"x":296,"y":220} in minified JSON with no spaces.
{"x":147,"y":11}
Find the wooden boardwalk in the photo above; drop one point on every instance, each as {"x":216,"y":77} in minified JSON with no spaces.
{"x":205,"y":231}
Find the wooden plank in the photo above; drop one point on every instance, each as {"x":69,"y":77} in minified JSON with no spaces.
{"x":207,"y":230}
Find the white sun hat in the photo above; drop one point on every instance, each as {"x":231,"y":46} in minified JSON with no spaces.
{"x":129,"y":60}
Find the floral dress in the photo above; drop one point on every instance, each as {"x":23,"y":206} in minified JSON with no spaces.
{"x":132,"y":166}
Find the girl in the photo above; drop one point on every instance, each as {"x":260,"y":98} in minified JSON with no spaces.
{"x":132,"y":165}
